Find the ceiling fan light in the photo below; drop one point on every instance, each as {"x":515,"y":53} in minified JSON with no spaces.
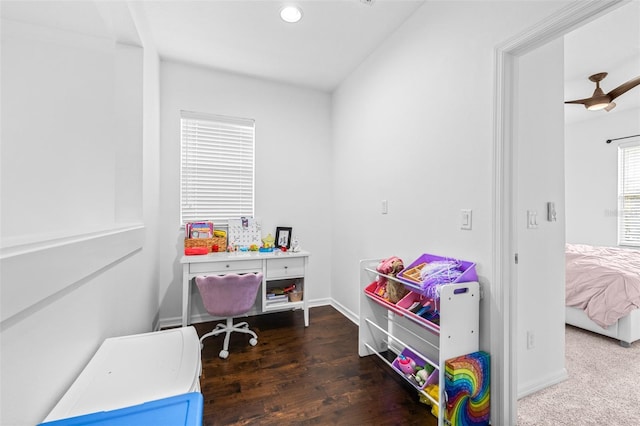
{"x":598,"y":106}
{"x":291,"y":14}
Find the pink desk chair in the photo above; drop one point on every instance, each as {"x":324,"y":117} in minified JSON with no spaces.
{"x":229,"y":296}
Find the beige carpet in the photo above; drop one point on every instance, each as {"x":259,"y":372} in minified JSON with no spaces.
{"x":603,"y":386}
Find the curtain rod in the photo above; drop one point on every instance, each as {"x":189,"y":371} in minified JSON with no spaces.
{"x":624,"y":137}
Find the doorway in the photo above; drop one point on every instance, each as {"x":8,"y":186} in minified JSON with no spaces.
{"x":504,"y":343}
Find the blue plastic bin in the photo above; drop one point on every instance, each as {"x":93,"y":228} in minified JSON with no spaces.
{"x":180,"y":410}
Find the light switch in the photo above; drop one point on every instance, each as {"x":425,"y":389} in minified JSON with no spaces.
{"x":385,"y":207}
{"x":465,"y":218}
{"x":551,"y":211}
{"x":532,"y":219}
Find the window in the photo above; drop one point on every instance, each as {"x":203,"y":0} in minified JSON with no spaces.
{"x":217,"y":168}
{"x":629,"y":195}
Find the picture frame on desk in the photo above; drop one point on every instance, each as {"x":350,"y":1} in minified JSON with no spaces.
{"x":283,"y":237}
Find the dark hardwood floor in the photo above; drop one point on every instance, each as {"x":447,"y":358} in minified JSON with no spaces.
{"x":298,"y":375}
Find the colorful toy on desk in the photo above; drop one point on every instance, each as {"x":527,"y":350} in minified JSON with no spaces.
{"x":192,"y":251}
{"x":268,"y":241}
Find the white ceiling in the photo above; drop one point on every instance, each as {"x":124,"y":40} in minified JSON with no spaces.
{"x":609,"y":44}
{"x":248,"y":37}
{"x":331,"y":40}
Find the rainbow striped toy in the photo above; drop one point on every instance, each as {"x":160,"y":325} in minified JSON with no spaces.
{"x":467,"y":389}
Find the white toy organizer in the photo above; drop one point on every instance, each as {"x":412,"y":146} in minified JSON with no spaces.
{"x":386,"y":328}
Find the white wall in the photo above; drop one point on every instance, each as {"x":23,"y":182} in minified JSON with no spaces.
{"x":75,"y":265}
{"x":293,"y":167}
{"x":592,"y":174}
{"x":539,"y":178}
{"x":413,"y":125}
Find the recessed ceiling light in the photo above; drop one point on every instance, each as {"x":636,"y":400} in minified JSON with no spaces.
{"x":291,"y":14}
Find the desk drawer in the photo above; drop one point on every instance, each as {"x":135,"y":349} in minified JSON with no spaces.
{"x":253,"y":265}
{"x":293,"y":267}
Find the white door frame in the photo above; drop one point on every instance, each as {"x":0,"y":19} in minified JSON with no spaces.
{"x":503,"y":290}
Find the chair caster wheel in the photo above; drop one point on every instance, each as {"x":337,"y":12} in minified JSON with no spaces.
{"x":253,"y":341}
{"x":223,"y":354}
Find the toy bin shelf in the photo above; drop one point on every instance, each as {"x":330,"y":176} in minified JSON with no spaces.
{"x":467,"y":272}
{"x":390,"y":329}
{"x":400,"y":308}
{"x":432,"y":370}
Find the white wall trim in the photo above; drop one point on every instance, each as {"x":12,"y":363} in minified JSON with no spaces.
{"x":543,"y":382}
{"x":346,"y":312}
{"x":503,"y":342}
{"x":205,"y":317}
{"x":58,"y":264}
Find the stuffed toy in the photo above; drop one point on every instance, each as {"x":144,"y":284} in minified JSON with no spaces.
{"x":392,"y":266}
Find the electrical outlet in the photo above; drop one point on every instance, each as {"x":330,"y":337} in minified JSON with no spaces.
{"x":530,"y":340}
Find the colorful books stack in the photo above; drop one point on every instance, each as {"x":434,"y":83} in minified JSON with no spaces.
{"x":277,"y":298}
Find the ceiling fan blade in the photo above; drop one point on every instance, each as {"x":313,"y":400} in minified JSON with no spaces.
{"x":609,"y":107}
{"x":578,"y":101}
{"x":624,"y":88}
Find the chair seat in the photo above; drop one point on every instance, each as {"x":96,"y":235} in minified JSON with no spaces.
{"x":229,"y":296}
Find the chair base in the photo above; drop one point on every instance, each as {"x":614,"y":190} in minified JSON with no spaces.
{"x":228,"y":328}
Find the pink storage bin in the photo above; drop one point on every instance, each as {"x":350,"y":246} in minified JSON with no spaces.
{"x":408,"y":300}
{"x":370,"y":292}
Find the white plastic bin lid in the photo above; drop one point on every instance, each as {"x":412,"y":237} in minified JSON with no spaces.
{"x":131,"y":370}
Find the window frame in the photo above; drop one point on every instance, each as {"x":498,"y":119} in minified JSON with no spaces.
{"x":628,"y":188}
{"x":202,"y":136}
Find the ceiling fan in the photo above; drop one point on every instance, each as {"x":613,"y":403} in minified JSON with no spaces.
{"x":600,"y":100}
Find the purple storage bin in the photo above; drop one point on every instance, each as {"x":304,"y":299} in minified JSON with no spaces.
{"x":433,"y":376}
{"x":468,"y":270}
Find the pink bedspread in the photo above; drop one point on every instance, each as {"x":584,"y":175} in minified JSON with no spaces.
{"x":604,"y":281}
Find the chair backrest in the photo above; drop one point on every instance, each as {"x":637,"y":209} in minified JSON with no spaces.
{"x":229,"y":295}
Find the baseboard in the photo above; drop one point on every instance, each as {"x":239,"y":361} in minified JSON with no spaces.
{"x":172,"y":322}
{"x":346,"y":312}
{"x":544,"y":382}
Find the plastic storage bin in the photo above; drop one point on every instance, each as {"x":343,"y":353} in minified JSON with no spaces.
{"x":131,"y":370}
{"x":432,"y":315}
{"x":468,"y":270}
{"x":180,"y":410}
{"x":419,"y":362}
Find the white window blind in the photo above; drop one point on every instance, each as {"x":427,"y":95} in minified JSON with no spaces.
{"x":217,"y":168}
{"x":629,"y":195}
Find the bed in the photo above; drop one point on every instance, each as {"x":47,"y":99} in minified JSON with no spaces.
{"x":603,"y":291}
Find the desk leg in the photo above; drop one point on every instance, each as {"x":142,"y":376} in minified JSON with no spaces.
{"x":305,"y":305}
{"x":186,"y":295}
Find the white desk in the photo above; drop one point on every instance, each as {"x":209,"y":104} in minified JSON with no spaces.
{"x":279,"y":269}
